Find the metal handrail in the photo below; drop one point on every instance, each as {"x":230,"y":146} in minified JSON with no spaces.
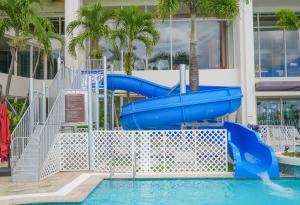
{"x":24,"y":130}
{"x":50,"y":128}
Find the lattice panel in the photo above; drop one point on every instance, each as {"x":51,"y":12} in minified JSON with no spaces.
{"x":52,"y":164}
{"x":74,"y":151}
{"x":175,"y":151}
{"x":278,"y":137}
{"x":112,"y":150}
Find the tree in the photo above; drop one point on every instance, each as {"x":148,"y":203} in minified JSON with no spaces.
{"x":132,"y":26}
{"x":19,"y":15}
{"x":92,"y":19}
{"x":42,"y":30}
{"x":225,"y":9}
{"x":287,"y":20}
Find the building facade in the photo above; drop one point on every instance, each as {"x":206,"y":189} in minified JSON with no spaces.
{"x":250,"y":52}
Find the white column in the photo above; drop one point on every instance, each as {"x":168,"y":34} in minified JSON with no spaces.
{"x":31,"y":60}
{"x":71,"y":13}
{"x":244,"y":57}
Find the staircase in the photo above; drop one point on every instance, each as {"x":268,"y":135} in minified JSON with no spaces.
{"x":33,"y":137}
{"x":27,"y":166}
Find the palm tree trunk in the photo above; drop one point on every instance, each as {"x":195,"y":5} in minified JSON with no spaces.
{"x":36,"y":63}
{"x":194,"y":73}
{"x":13,"y":52}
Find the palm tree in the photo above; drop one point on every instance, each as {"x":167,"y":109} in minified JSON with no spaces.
{"x":287,"y":21}
{"x":92,"y":20}
{"x":19,"y":14}
{"x":132,"y":26}
{"x":225,"y":9}
{"x":43,"y":32}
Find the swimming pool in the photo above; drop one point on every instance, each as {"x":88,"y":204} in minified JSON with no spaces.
{"x":195,"y":191}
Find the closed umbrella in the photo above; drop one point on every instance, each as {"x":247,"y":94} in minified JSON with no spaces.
{"x":4,"y":133}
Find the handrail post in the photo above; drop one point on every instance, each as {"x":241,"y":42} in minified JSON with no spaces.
{"x":90,"y":119}
{"x":105,"y":91}
{"x":44,"y":102}
{"x":97,"y":103}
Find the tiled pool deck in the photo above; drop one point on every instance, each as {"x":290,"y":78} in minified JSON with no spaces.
{"x":62,"y":187}
{"x":71,"y":186}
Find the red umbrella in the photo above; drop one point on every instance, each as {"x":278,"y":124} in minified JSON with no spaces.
{"x":4,"y":133}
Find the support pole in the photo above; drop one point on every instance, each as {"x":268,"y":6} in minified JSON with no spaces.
{"x":32,"y":109}
{"x":31,"y":90}
{"x":90,"y":117}
{"x":182,"y":83}
{"x":31,"y":61}
{"x":105,"y":91}
{"x":122,"y":60}
{"x":182,"y":79}
{"x":112,"y":112}
{"x":44,"y":102}
{"x":58,"y":63}
{"x":97,"y":104}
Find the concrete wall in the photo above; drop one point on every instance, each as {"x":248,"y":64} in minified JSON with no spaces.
{"x":20,"y":85}
{"x":226,"y":77}
{"x":273,"y":5}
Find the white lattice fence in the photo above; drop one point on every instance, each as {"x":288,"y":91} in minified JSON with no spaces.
{"x":278,"y":137}
{"x":175,"y":151}
{"x":52,"y":163}
{"x":118,"y":151}
{"x":74,"y":151}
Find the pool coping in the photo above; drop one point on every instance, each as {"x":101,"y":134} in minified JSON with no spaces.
{"x":80,"y":187}
{"x":288,"y":160}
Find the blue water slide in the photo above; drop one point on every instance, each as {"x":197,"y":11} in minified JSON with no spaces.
{"x":166,"y":108}
{"x":250,"y":155}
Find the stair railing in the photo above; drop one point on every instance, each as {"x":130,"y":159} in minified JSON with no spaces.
{"x":24,"y":130}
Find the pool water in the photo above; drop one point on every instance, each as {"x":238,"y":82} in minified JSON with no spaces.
{"x":196,"y":192}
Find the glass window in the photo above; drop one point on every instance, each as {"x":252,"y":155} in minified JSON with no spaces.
{"x":62,"y":26}
{"x":52,"y":64}
{"x":180,"y":42}
{"x":267,"y":20}
{"x":291,"y":111}
{"x":5,"y":56}
{"x":24,"y":62}
{"x":160,"y":57}
{"x":256,"y":53}
{"x":272,"y":52}
{"x":273,"y":46}
{"x":209,"y":46}
{"x":55,"y":22}
{"x":293,"y":53}
{"x":268,"y":112}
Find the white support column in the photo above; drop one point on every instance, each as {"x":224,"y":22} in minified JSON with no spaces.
{"x":44,"y":104}
{"x":71,"y":13}
{"x":31,"y":61}
{"x":90,"y":118}
{"x":182,"y":79}
{"x":244,"y":52}
{"x":105,"y":92}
